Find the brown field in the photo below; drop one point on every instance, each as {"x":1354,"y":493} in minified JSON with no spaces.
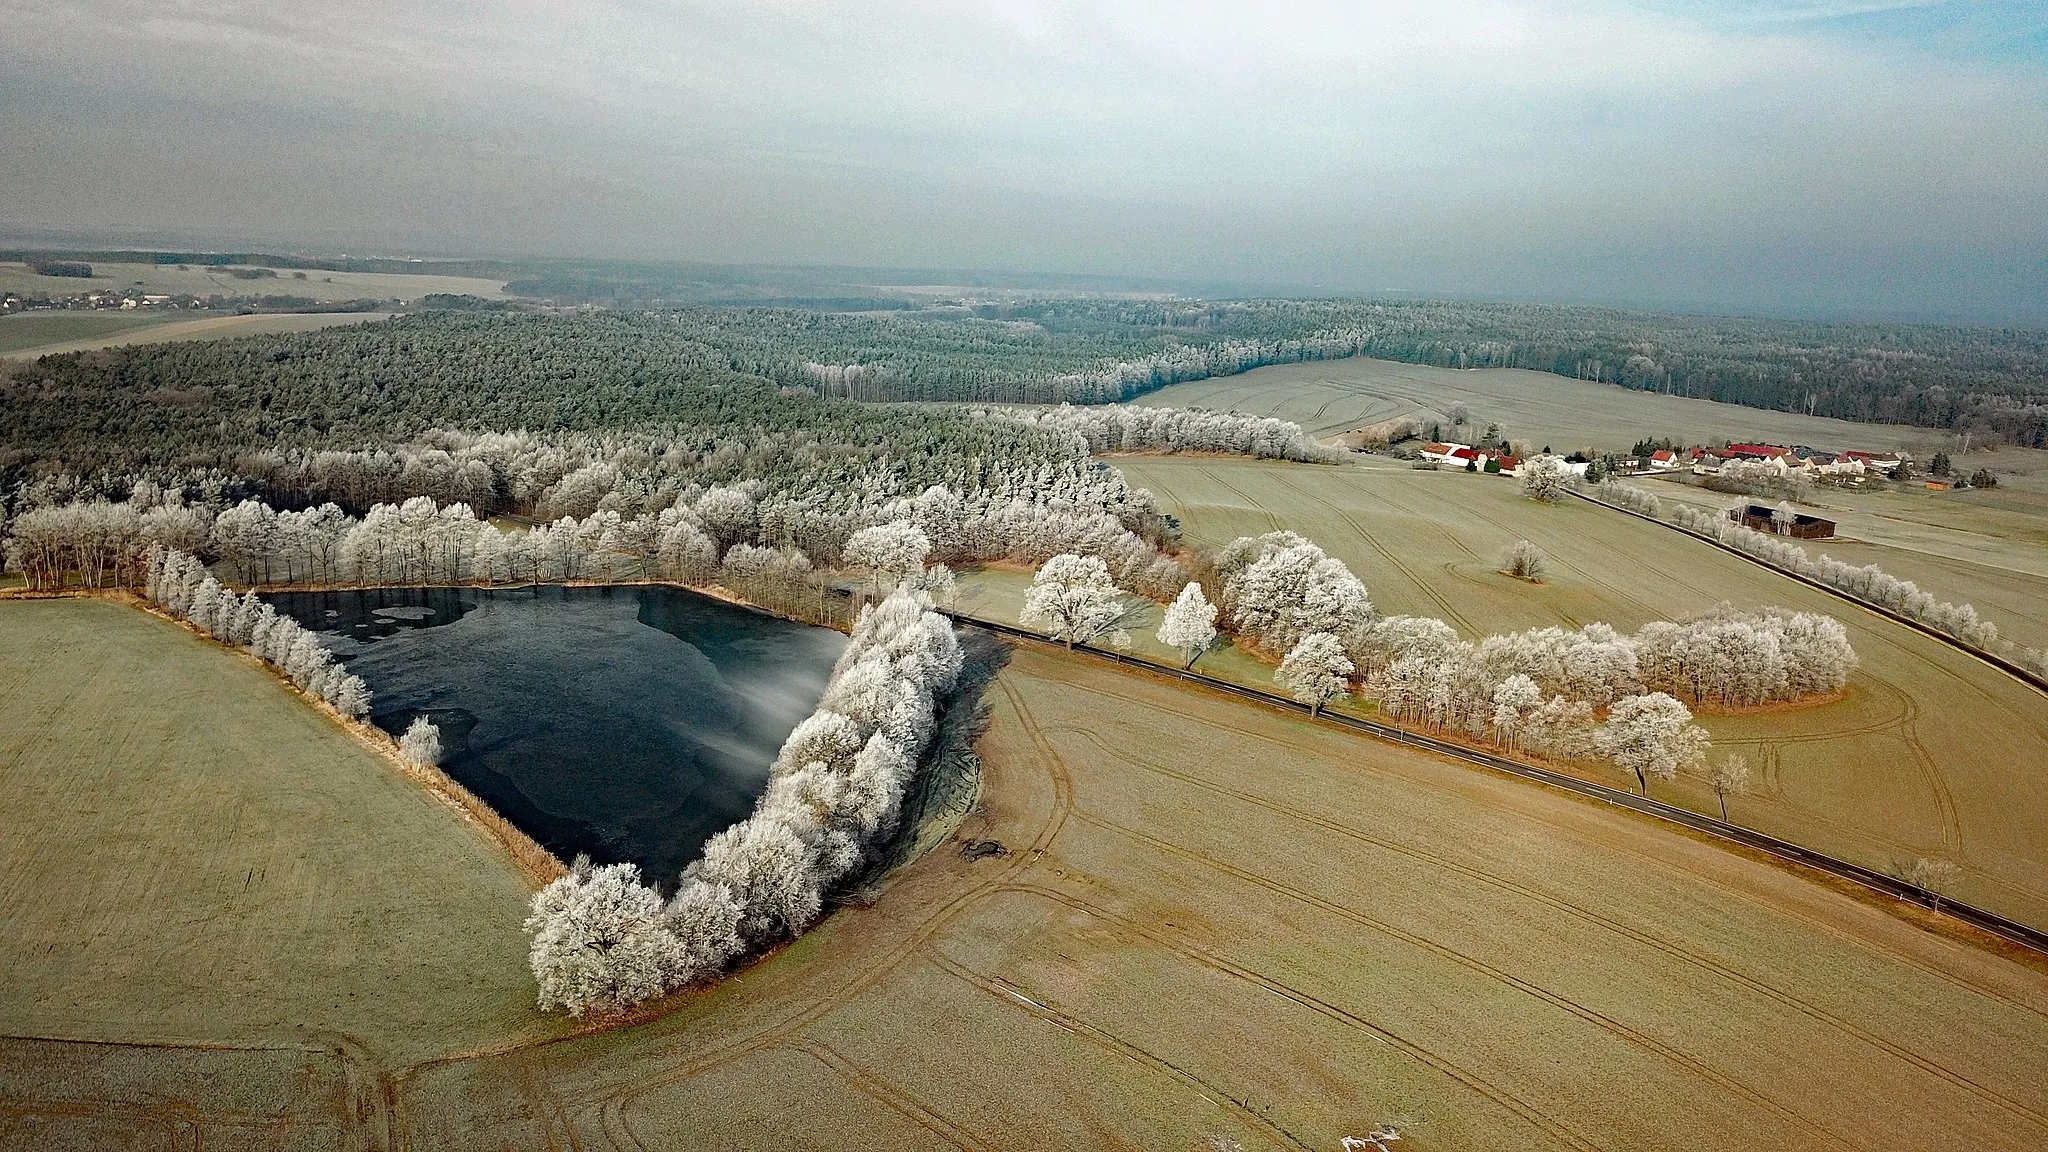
{"x":207,"y":328}
{"x":205,"y":280}
{"x":1212,"y":919}
{"x":1932,"y":752}
{"x":1331,"y":396}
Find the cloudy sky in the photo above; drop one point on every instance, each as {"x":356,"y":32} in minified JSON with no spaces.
{"x":1781,"y":156}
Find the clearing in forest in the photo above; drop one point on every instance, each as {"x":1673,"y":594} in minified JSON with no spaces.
{"x":165,"y":328}
{"x":1932,"y":753}
{"x":1327,"y":397}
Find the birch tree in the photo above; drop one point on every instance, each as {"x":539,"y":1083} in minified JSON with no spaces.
{"x":421,"y":743}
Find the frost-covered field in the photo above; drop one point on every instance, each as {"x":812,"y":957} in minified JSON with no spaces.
{"x":195,"y":856}
{"x":1932,"y":752}
{"x":1213,"y":920}
{"x":1209,"y":919}
{"x":1331,"y":396}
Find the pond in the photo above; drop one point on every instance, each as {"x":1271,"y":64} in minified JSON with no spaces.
{"x":632,"y":724}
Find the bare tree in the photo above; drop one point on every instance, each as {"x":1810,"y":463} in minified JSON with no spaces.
{"x":1932,"y":875}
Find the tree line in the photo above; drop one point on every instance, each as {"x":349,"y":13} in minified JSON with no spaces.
{"x":604,"y":940}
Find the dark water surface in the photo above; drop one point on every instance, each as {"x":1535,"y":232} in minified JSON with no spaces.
{"x":628,"y":723}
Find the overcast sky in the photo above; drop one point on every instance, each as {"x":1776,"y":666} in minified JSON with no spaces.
{"x":1756,"y":155}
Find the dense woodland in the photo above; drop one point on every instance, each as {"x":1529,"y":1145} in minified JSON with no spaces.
{"x":252,"y":408}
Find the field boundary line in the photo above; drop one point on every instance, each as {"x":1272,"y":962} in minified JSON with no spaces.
{"x":2010,"y":930}
{"x":1998,"y":662}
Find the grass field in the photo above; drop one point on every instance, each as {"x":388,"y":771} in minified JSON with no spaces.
{"x":197,"y":857}
{"x":35,"y":329}
{"x":162,"y":328}
{"x":1332,"y":396}
{"x":1931,"y":753}
{"x":206,"y":280}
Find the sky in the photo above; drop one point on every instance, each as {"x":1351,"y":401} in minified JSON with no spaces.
{"x":1783,"y":157}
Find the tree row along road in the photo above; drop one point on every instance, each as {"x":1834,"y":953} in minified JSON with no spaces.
{"x":1783,"y":849}
{"x":2003,"y":665}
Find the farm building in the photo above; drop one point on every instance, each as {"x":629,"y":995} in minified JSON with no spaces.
{"x":1801,"y":526}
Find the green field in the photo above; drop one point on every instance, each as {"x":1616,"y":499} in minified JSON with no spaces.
{"x":1932,"y":753}
{"x":1332,"y":396}
{"x":197,"y":857}
{"x":157,"y":328}
{"x":207,"y":280}
{"x":26,"y":330}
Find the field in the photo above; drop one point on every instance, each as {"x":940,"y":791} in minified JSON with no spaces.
{"x":1210,"y":919}
{"x":1988,"y":548}
{"x":207,"y":280}
{"x":28,"y":336}
{"x":197,"y":858}
{"x":1932,"y":752}
{"x":35,"y":329}
{"x":1538,"y":408}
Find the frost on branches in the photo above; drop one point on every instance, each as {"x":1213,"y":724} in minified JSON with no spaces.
{"x":1316,"y":670}
{"x":179,"y":584}
{"x":602,"y":940}
{"x":1073,"y":600}
{"x":1651,"y":735}
{"x":1189,"y":624}
{"x":1280,"y":587}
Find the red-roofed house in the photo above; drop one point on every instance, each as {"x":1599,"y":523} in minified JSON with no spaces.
{"x":1664,"y":460}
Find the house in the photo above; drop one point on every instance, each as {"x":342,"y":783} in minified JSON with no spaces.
{"x":1663,"y":460}
{"x":1454,"y":454}
{"x":1505,"y":465}
{"x":1764,"y":519}
{"x":1755,"y":452}
{"x":1885,"y":462}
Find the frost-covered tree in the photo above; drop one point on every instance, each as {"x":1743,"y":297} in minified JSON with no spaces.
{"x":421,"y":743}
{"x":1073,"y":599}
{"x":1932,"y":875}
{"x":1513,"y":701}
{"x":767,"y":868}
{"x":889,"y":551}
{"x":1189,"y":624}
{"x":1280,"y":587}
{"x":352,"y":698}
{"x":1316,"y":670}
{"x":1730,"y":776}
{"x":1545,"y":478}
{"x":1651,"y":735}
{"x":1524,"y":561}
{"x":601,"y":941}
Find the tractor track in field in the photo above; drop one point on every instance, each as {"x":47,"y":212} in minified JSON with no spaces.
{"x":873,"y":1086}
{"x":1621,"y":1031}
{"x":1392,"y":559}
{"x":1744,"y":895}
{"x":1647,"y":939}
{"x":1009,"y":994}
{"x":1133,"y":930}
